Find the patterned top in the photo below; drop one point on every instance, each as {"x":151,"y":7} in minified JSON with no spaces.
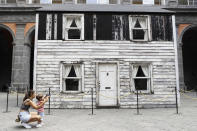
{"x":41,"y":109}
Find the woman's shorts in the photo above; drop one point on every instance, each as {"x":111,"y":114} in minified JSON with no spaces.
{"x":24,"y":116}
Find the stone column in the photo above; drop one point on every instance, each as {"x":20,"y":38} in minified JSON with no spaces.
{"x":21,"y":60}
{"x":180,"y":63}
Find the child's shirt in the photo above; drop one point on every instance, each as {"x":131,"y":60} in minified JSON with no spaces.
{"x":41,"y":109}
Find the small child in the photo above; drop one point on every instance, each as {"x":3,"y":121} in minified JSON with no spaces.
{"x":40,"y":98}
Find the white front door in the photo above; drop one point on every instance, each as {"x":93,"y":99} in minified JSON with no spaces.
{"x":107,"y":84}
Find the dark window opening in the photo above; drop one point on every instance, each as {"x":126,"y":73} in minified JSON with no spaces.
{"x":140,"y":84}
{"x":73,"y":23}
{"x":140,"y":72}
{"x":137,"y":24}
{"x":72,"y":72}
{"x":72,"y":84}
{"x":74,"y":34}
{"x":138,"y":34}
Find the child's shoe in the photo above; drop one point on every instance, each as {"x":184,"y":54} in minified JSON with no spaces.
{"x":27,"y":126}
{"x":39,"y":125}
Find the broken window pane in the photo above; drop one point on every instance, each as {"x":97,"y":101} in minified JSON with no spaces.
{"x":72,"y":84}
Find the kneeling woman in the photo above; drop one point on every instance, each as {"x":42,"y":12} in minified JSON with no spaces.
{"x":24,"y":114}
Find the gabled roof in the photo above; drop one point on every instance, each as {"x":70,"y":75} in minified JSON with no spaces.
{"x":103,"y":8}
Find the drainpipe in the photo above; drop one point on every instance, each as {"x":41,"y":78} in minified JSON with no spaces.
{"x":35,"y":52}
{"x":176,"y":57}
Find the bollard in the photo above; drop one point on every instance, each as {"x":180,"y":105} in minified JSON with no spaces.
{"x":92,"y":102}
{"x":177,"y":109}
{"x":49,"y":101}
{"x":92,"y":105}
{"x":137,"y":104}
{"x":7,"y":102}
{"x":17,"y":96}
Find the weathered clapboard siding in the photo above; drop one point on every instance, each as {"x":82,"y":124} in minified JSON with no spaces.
{"x":160,"y":54}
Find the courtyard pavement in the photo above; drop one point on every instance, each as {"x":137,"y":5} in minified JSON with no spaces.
{"x":157,"y":119}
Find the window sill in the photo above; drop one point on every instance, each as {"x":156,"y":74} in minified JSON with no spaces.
{"x":71,"y":92}
{"x":72,"y":40}
{"x":144,"y":92}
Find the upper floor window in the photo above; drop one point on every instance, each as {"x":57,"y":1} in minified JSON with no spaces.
{"x":139,"y":30}
{"x":187,"y":2}
{"x":149,"y":2}
{"x":101,"y":1}
{"x":3,"y":2}
{"x":73,"y":27}
{"x":7,"y":1}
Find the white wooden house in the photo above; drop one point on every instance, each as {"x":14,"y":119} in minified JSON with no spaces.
{"x":114,"y":49}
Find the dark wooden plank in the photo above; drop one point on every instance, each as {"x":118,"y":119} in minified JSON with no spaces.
{"x":59,"y":26}
{"x":104,"y":27}
{"x":42,"y":26}
{"x":88,"y":26}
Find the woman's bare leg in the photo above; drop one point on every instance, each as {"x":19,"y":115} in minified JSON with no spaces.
{"x":34,"y":118}
{"x":33,"y":113}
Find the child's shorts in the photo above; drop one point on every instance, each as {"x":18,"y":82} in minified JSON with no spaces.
{"x":24,"y":116}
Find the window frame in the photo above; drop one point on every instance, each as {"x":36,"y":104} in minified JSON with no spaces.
{"x":148,"y":29}
{"x":3,"y":2}
{"x":149,"y":78}
{"x":65,"y":33}
{"x":63,"y":78}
